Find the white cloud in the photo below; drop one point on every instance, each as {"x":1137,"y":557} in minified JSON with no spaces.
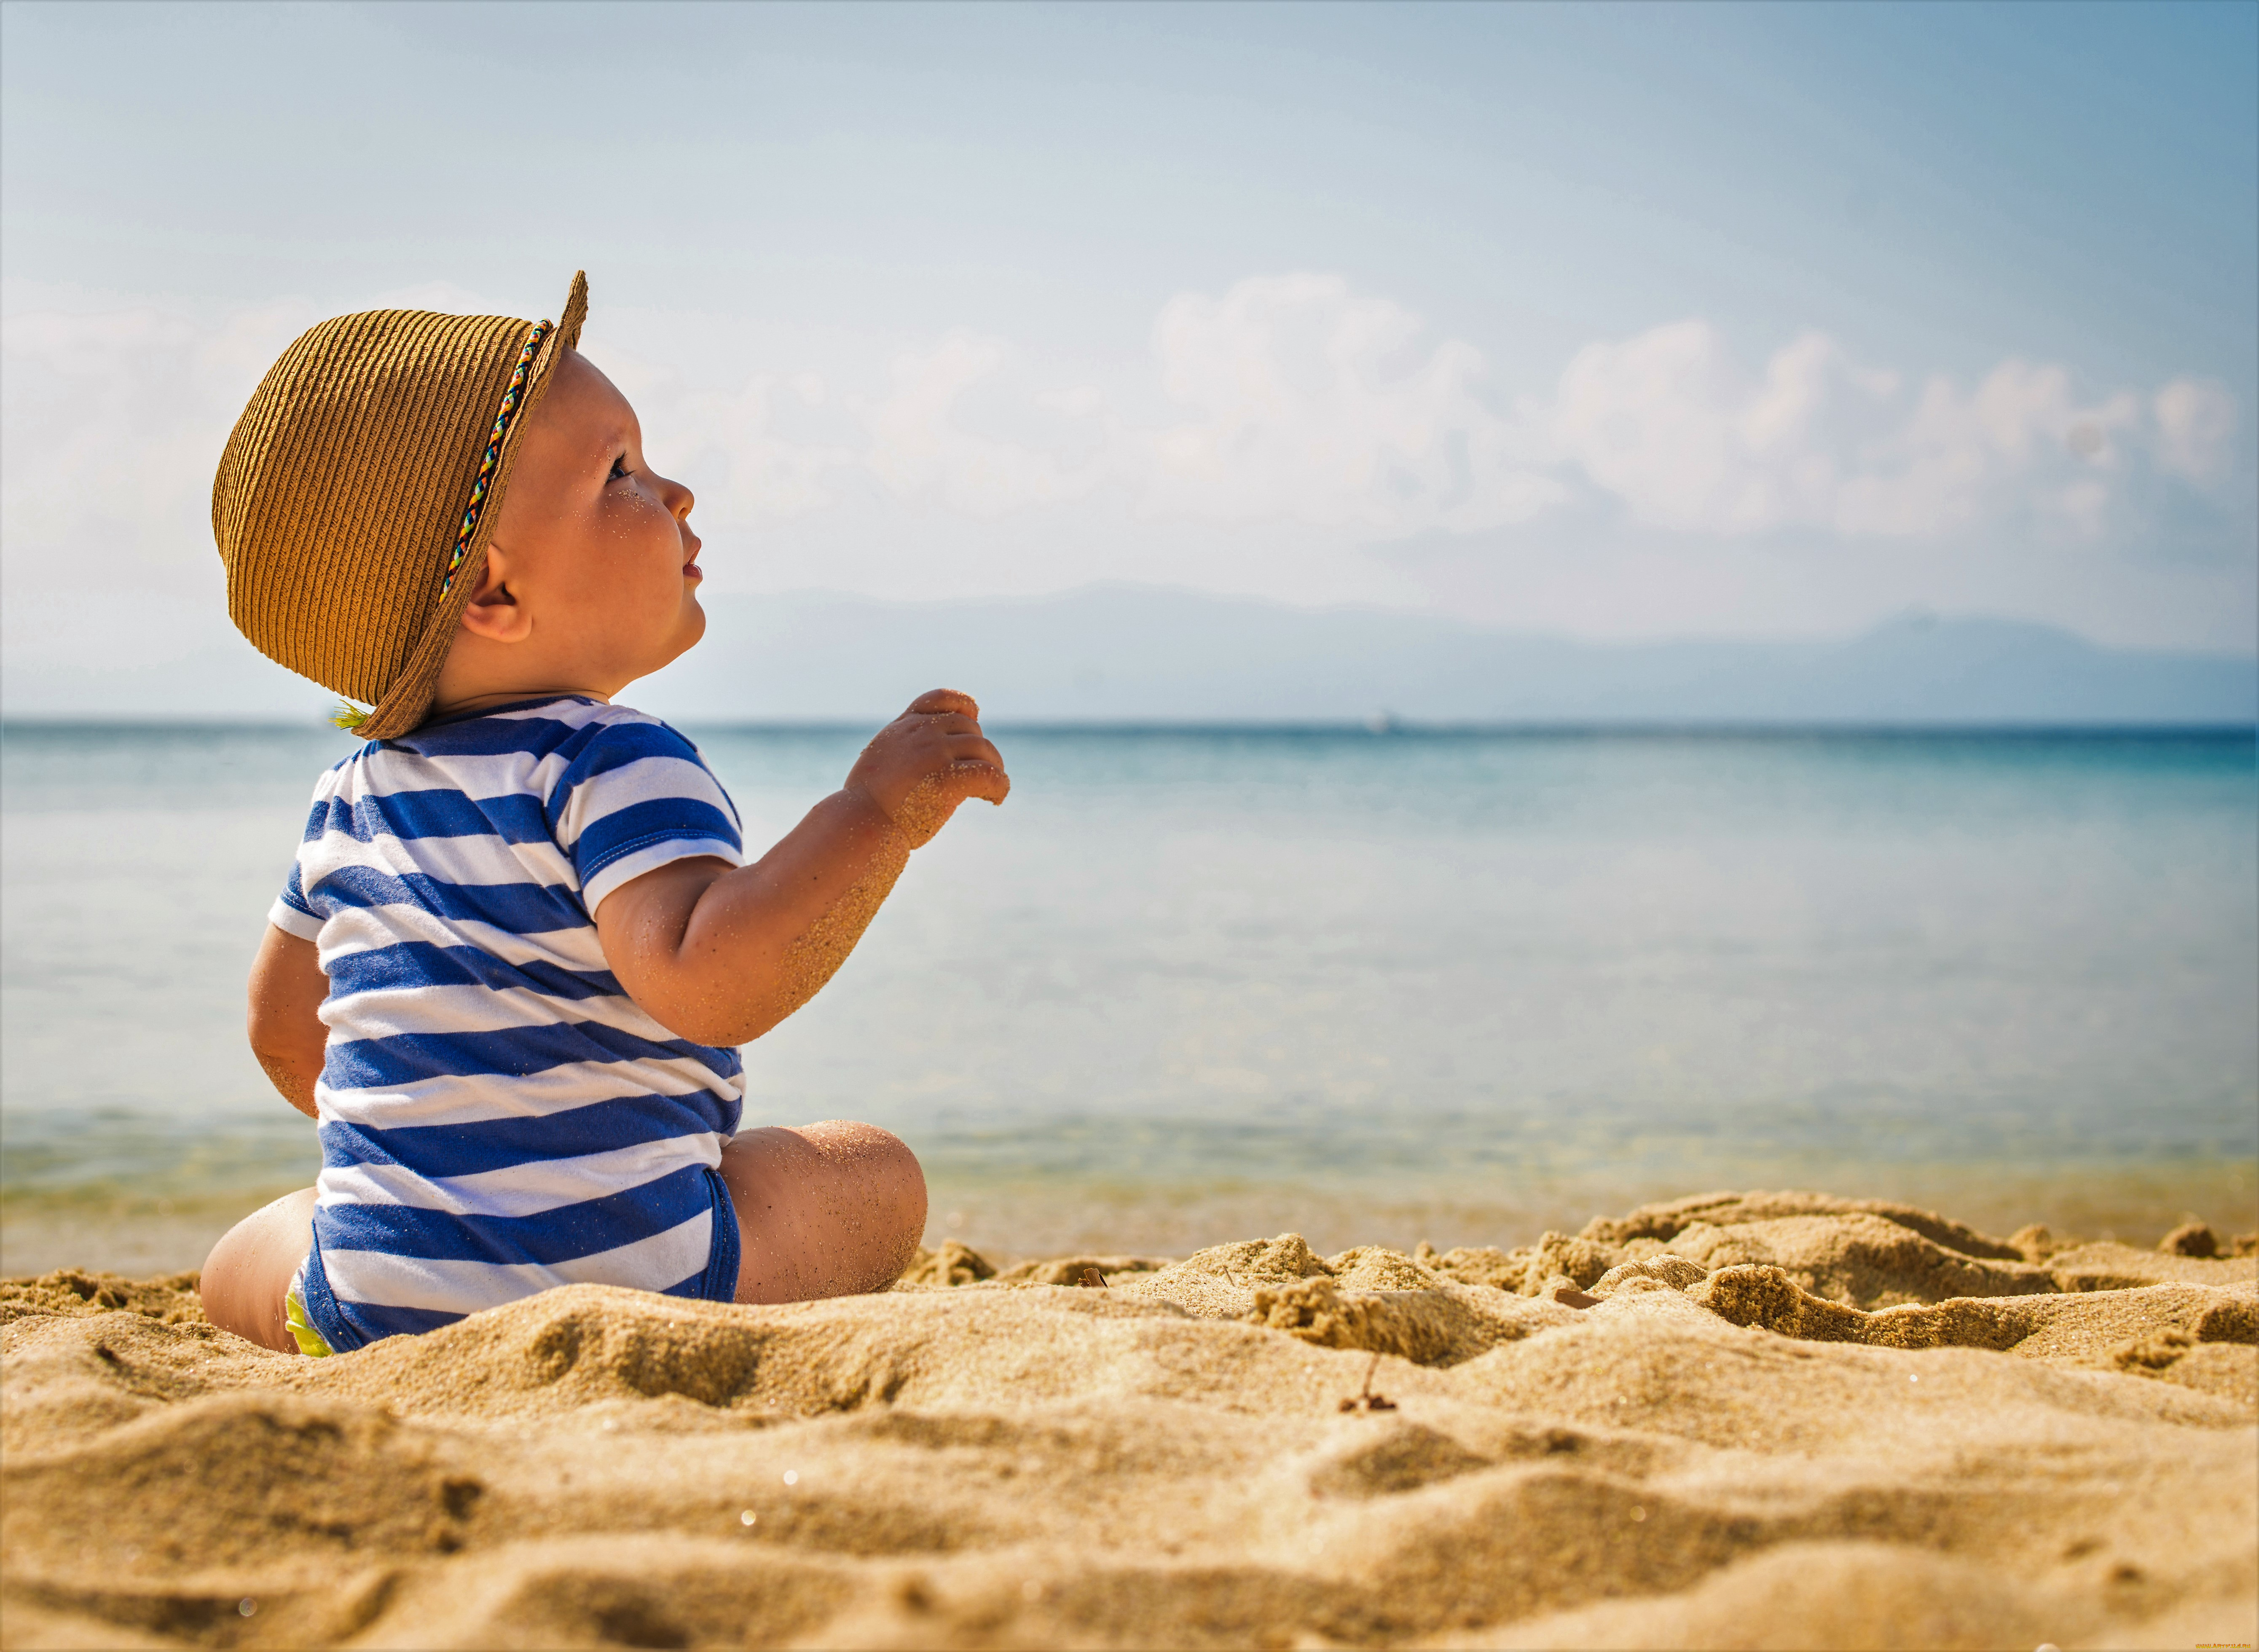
{"x":1313,"y":404}
{"x":113,"y":424}
{"x":1080,"y":402}
{"x":2196,"y":428}
{"x":1674,"y":426}
{"x":766,"y":477}
{"x":1303,"y":403}
{"x":1671,"y":423}
{"x":1290,"y":424}
{"x":918,"y":447}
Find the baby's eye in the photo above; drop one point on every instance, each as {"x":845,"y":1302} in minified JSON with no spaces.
{"x":619,"y":469}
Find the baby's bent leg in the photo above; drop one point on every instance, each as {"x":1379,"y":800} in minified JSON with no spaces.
{"x":250,"y":1268}
{"x":829,"y":1209}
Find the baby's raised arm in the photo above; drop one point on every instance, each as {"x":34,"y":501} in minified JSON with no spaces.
{"x":720,"y":954}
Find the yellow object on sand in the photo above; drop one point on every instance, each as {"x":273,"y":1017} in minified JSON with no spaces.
{"x":310,"y":1340}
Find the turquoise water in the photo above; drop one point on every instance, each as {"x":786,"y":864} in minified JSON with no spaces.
{"x":1190,"y":985}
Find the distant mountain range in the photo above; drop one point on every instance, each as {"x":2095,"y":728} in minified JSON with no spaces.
{"x":1133,"y":654}
{"x":1140,"y":654}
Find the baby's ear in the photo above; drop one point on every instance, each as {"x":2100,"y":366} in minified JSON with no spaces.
{"x":493,"y":613}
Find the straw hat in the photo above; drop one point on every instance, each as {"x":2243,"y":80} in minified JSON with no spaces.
{"x":354,"y":502}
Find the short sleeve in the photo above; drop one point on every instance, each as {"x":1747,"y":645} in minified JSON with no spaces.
{"x":292,"y":912}
{"x":635,"y":797}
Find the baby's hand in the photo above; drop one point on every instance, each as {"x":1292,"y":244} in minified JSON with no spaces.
{"x":926,"y":762}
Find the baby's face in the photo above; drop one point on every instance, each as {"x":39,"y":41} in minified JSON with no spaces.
{"x":595,"y":547}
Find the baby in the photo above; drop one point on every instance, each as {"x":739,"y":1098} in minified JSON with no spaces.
{"x":520,"y":943}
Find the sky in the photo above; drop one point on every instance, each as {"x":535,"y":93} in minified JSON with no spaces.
{"x":1616,"y":322}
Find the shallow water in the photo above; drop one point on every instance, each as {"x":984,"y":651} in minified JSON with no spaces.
{"x":1188,"y":986}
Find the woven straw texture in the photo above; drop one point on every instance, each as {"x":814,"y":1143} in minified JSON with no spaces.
{"x":343,"y":490}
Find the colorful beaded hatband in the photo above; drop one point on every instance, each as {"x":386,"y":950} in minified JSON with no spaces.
{"x":478,"y":505}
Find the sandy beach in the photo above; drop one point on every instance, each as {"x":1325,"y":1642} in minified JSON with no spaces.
{"x":1763,"y":1419}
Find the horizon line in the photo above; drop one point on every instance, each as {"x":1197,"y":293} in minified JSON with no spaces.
{"x":1386,"y":726}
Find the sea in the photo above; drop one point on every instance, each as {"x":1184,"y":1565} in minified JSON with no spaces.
{"x":1370,"y":984}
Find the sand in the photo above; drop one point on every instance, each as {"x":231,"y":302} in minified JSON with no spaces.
{"x":1740,"y":1421}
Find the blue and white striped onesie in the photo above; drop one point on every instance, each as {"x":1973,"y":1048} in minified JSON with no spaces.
{"x":497,"y":1115}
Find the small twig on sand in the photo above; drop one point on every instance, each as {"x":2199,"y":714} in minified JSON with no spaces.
{"x":1366,"y":1399}
{"x":1093,"y":1278}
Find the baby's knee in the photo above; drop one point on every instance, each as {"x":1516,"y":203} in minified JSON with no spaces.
{"x":878,"y":1158}
{"x":892,"y":1170}
{"x":889,"y":1186}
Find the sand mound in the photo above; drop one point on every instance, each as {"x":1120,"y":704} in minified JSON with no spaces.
{"x":1780,"y":1420}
